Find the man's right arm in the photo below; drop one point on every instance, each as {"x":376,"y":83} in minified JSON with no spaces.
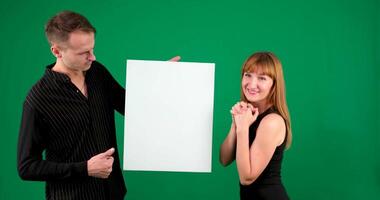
{"x":31,"y":144}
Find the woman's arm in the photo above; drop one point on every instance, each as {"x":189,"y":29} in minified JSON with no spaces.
{"x":251,"y":161}
{"x":228,"y":148}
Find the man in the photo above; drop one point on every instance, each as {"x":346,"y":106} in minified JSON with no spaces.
{"x":69,"y":114}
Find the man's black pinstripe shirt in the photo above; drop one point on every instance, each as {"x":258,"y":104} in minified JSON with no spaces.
{"x":71,"y":128}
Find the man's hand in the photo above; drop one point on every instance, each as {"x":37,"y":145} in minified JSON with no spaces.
{"x":100,"y":166}
{"x":175,"y":59}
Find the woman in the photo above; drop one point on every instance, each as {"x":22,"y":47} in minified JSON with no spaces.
{"x":260,"y":129}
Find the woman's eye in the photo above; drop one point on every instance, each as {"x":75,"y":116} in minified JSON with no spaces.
{"x":262,"y":78}
{"x":247,"y":75}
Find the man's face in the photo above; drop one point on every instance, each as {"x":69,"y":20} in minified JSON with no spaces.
{"x":78,"y":52}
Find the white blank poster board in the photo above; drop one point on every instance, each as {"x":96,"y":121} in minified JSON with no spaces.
{"x":168,"y":116}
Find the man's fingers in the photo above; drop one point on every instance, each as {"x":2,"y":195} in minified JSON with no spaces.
{"x":110,"y":160}
{"x":175,"y":59}
{"x":109,"y":152}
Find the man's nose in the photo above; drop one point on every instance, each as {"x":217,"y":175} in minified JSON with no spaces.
{"x":91,"y":57}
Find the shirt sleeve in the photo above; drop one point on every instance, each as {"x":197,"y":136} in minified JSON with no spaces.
{"x":117,"y":93}
{"x":31,"y":145}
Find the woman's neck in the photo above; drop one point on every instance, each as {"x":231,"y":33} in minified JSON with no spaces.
{"x":262,"y":106}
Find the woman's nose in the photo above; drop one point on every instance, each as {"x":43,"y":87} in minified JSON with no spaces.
{"x":253,"y":82}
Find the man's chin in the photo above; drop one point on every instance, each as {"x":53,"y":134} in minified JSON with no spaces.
{"x":87,"y":67}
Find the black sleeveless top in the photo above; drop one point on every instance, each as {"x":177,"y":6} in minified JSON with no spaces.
{"x":268,"y":185}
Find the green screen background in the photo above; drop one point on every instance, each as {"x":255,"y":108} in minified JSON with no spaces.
{"x":330,"y":51}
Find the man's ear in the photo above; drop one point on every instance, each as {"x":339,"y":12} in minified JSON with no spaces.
{"x":56,"y":50}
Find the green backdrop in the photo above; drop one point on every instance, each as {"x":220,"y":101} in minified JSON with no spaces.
{"x":330,"y":50}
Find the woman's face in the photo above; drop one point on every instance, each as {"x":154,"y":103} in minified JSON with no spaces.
{"x":256,"y":86}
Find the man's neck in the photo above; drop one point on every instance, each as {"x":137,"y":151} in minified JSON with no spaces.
{"x":74,"y":75}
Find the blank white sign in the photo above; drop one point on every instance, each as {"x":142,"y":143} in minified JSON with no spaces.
{"x":168,"y":116}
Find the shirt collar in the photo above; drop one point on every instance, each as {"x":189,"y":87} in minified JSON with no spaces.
{"x":56,"y":75}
